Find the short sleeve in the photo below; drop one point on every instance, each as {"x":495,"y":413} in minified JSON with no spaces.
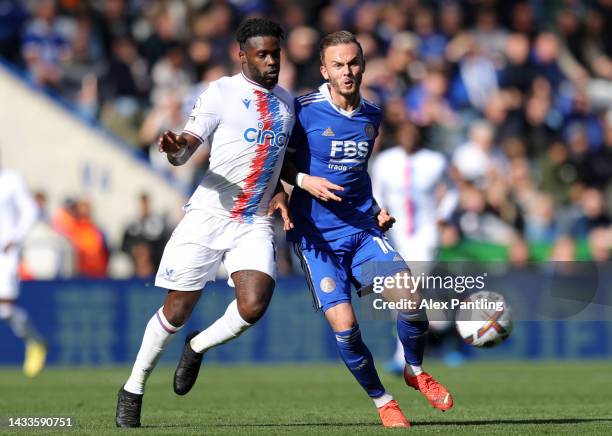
{"x":205,"y":115}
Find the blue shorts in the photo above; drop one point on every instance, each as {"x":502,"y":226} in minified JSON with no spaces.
{"x":332,"y":266}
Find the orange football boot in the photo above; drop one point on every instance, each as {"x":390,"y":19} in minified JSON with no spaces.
{"x":392,"y":416}
{"x":436,"y":394}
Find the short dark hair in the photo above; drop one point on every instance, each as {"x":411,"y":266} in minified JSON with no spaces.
{"x":337,"y":38}
{"x":257,"y":27}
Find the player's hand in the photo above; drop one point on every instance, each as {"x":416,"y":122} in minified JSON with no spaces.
{"x":171,"y":143}
{"x":385,"y":221}
{"x":279,"y":202}
{"x":321,"y":188}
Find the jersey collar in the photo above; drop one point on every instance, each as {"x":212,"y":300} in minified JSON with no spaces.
{"x":257,"y":85}
{"x":324,"y":89}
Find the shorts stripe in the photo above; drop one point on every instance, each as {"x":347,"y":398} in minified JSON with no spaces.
{"x":315,"y":300}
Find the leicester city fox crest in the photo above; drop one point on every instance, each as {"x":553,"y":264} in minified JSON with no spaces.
{"x":370,"y":131}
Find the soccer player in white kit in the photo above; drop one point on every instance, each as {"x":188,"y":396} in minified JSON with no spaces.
{"x":18,"y":213}
{"x":414,"y":185}
{"x":247,"y":119}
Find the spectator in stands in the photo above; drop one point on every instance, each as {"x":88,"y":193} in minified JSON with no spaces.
{"x":12,"y":18}
{"x":74,"y":221}
{"x":144,"y":238}
{"x":489,"y":36}
{"x":402,"y":61}
{"x":542,"y":226}
{"x":46,"y":254}
{"x":477,"y":160}
{"x":125,"y":89}
{"x":170,"y":74}
{"x":45,"y":48}
{"x":165,"y":33}
{"x":557,"y":173}
{"x":432,"y":43}
{"x":594,"y":45}
{"x":81,"y":71}
{"x":476,"y":220}
{"x":541,"y":124}
{"x":517,"y":73}
{"x":580,"y":155}
{"x":476,"y":77}
{"x":303,"y":53}
{"x":114,"y":22}
{"x":593,"y":214}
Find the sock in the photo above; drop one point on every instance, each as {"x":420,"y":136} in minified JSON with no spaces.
{"x":412,"y":333}
{"x":382,"y":400}
{"x":228,"y":327}
{"x":19,"y":321}
{"x":158,"y":333}
{"x":359,"y":361}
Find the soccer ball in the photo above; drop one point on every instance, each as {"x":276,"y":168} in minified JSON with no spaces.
{"x":484,"y":319}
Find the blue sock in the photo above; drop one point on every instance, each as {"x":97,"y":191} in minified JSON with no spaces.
{"x":359,"y":361}
{"x":412,"y":334}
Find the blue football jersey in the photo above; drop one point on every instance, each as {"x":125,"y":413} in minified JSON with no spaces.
{"x":331,"y":143}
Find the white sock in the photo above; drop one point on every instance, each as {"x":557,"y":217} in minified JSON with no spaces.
{"x":19,"y":321}
{"x":382,"y":400}
{"x":414,"y":370}
{"x":229,"y":326}
{"x":157,"y":335}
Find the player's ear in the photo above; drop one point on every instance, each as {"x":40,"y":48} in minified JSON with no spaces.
{"x":242,"y":56}
{"x":324,"y":72}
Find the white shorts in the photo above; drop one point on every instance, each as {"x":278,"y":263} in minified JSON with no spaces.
{"x":201,"y":242}
{"x":9,"y":280}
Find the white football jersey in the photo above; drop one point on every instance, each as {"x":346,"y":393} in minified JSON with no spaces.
{"x":247,"y":128}
{"x":406,"y":186}
{"x":18,"y":210}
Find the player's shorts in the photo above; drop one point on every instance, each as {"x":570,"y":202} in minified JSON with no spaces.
{"x":9,"y":279}
{"x":201,"y":242}
{"x":332,"y":267}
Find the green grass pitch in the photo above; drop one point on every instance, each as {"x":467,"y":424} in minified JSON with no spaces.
{"x":490,"y":398}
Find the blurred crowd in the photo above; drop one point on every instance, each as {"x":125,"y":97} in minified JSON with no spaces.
{"x":517,"y":94}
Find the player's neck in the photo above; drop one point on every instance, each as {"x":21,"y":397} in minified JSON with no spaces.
{"x":252,"y":80}
{"x":347,"y":103}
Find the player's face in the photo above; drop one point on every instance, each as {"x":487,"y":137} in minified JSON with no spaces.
{"x":261,"y":60}
{"x":343,"y":67}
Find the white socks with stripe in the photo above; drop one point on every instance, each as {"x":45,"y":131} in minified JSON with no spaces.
{"x":157,"y":335}
{"x":228,"y":327}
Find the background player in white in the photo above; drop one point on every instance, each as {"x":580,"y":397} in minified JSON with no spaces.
{"x":248,"y":119}
{"x":18,"y":213}
{"x":413,"y":183}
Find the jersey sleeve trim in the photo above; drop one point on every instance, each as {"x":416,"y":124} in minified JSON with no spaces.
{"x":195,"y":135}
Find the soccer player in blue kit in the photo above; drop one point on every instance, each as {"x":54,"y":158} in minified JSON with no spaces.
{"x":339,"y":229}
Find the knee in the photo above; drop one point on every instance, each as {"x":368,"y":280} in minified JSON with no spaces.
{"x":177,"y":312}
{"x":253,"y":307}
